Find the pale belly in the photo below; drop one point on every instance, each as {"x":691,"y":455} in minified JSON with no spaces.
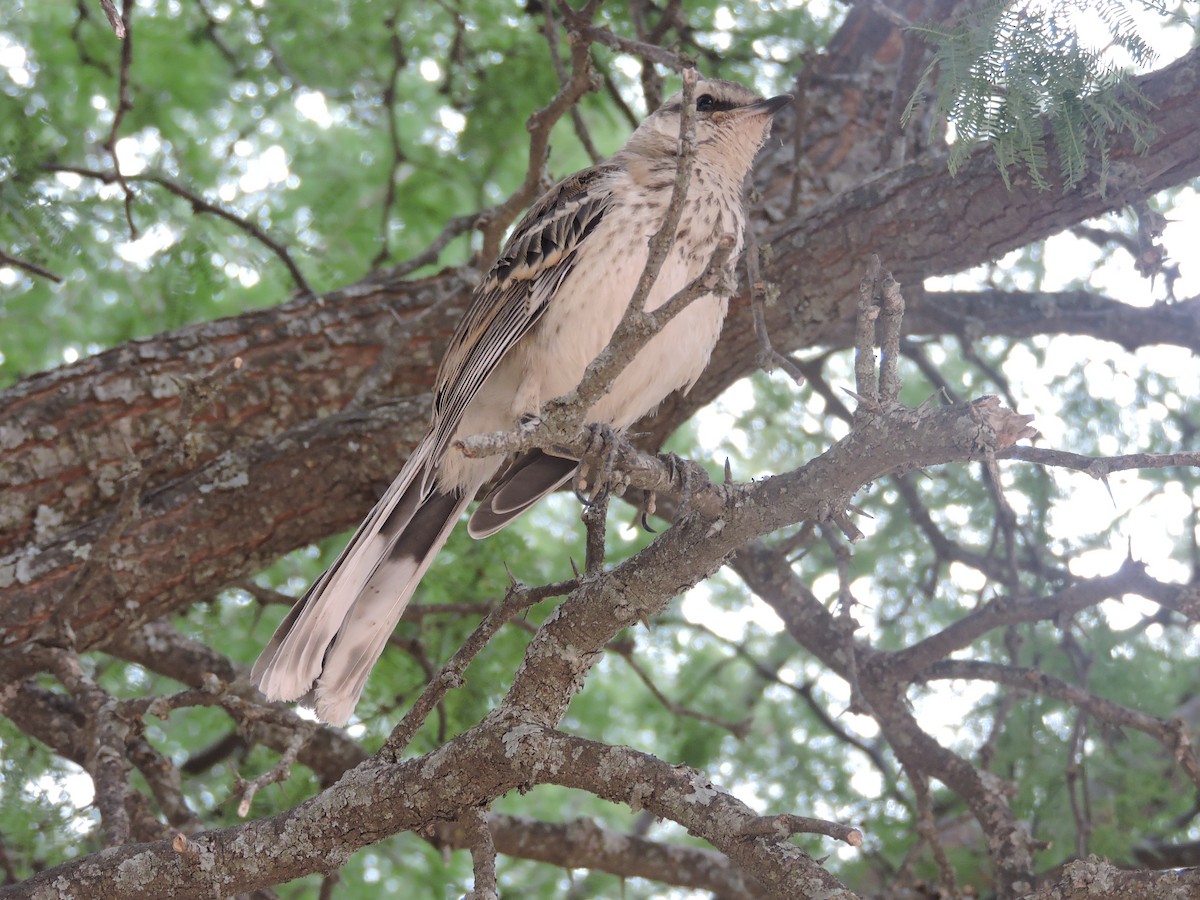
{"x":580,"y":323}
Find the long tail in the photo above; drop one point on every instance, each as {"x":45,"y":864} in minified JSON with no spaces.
{"x":324,"y":649}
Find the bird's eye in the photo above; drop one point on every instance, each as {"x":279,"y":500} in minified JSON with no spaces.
{"x":705,"y":103}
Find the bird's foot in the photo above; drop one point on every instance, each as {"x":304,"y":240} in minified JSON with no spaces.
{"x":590,"y":486}
{"x":685,"y":473}
{"x":649,"y":505}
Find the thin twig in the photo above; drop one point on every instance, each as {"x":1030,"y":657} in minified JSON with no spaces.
{"x":483,"y":854}
{"x":768,"y":356}
{"x":213,"y":34}
{"x":83,"y":14}
{"x":846,"y":623}
{"x":1171,"y":733}
{"x":517,"y":599}
{"x":1076,"y":783}
{"x":457,"y":226}
{"x":648,"y":52}
{"x":916,"y":353}
{"x":399,"y":61}
{"x":265,"y":595}
{"x":281,"y":771}
{"x":624,"y":649}
{"x":664,"y":238}
{"x":31,"y":268}
{"x":114,"y":18}
{"x":122,"y":27}
{"x":614,"y":94}
{"x":927,"y":828}
{"x":652,"y":81}
{"x":786,"y":824}
{"x":550,"y":30}
{"x":1099,"y":467}
{"x":496,"y":221}
{"x":1008,"y":702}
{"x":199,"y":205}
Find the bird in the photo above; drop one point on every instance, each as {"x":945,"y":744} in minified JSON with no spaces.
{"x":547,"y":307}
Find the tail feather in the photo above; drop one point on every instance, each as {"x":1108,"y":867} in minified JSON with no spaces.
{"x":325,"y":648}
{"x":292,"y":661}
{"x":531,"y":477}
{"x":380,"y":603}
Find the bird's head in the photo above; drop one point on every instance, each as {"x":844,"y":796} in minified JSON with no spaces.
{"x":732,"y":122}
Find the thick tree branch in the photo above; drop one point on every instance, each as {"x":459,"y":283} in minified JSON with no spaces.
{"x":226,"y":424}
{"x":1019,"y":314}
{"x":198,"y":203}
{"x":1098,"y":879}
{"x":378,"y":799}
{"x":559,"y":657}
{"x":67,"y":432}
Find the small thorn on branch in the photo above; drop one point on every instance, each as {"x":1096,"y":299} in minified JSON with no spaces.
{"x":185,"y":848}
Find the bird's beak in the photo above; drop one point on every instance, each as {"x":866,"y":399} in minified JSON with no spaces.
{"x":769,"y":107}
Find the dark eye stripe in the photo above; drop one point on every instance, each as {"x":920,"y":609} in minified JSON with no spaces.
{"x":707,"y":103}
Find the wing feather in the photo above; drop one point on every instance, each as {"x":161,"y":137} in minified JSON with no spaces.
{"x":537,"y":258}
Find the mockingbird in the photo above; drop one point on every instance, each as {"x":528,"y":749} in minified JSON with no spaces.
{"x":548,"y":306}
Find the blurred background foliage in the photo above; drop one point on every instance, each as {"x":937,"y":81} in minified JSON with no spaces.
{"x":276,"y":111}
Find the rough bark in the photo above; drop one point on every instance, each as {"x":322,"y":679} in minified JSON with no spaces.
{"x":145,"y":478}
{"x":233,"y":498}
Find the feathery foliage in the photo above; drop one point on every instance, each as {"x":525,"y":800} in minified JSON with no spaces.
{"x":1015,"y":74}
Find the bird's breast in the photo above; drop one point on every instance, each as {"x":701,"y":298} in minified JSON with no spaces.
{"x":579,"y":321}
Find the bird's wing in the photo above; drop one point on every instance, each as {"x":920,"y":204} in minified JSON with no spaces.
{"x":529,"y":478}
{"x":508,"y":302}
